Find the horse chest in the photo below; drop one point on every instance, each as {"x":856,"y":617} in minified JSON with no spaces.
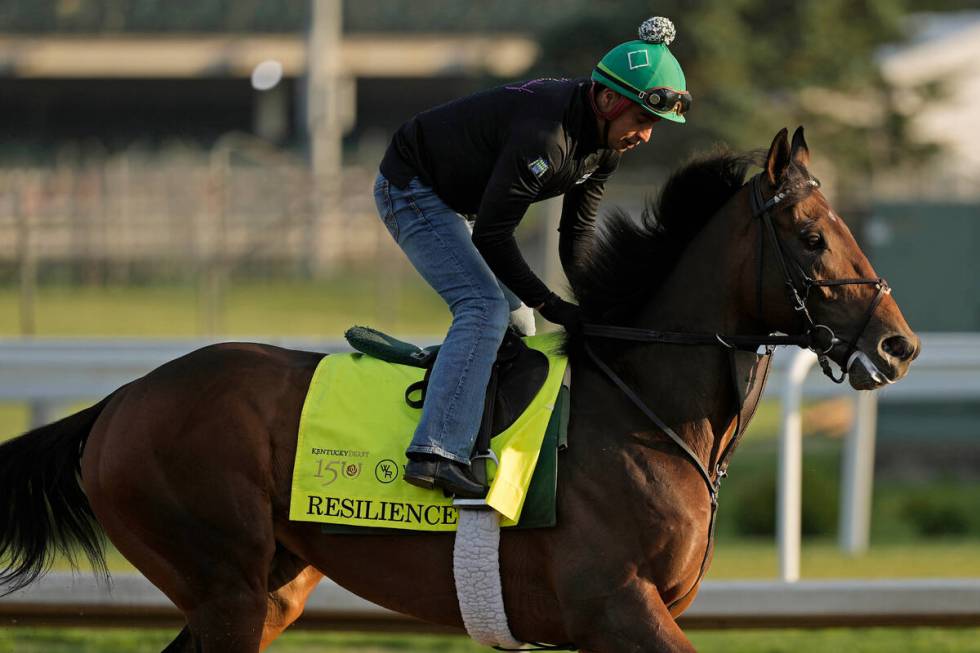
{"x":653,"y":525}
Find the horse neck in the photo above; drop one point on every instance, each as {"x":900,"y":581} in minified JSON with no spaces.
{"x":703,"y":293}
{"x":689,"y":386}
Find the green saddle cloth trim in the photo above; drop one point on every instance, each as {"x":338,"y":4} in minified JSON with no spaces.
{"x":355,"y":426}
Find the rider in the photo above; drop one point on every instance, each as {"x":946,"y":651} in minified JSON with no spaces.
{"x":492,"y":154}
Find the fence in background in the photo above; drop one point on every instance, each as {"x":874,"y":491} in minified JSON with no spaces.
{"x":240,"y":210}
{"x":238,"y":205}
{"x":61,"y":599}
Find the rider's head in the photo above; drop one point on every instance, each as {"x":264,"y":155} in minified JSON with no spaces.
{"x":637,"y":84}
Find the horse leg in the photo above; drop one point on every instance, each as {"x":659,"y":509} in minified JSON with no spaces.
{"x":291,"y":582}
{"x":631,"y":618}
{"x":226,"y":613}
{"x":219,"y":583}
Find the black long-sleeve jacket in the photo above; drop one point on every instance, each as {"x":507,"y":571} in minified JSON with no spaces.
{"x":494,"y":153}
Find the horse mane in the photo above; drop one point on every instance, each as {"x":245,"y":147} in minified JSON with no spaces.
{"x":630,"y":259}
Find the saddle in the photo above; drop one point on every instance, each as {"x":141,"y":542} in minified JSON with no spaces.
{"x":517,"y":376}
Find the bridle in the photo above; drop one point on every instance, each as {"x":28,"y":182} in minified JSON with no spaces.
{"x":819,"y":338}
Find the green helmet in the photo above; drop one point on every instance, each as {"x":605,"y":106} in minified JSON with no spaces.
{"x":646,"y":72}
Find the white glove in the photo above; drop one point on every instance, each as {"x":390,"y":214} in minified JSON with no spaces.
{"x":522,"y":319}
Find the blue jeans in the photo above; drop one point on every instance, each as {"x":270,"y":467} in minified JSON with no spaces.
{"x":438,"y":242}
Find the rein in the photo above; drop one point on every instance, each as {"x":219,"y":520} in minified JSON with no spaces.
{"x":818,"y":338}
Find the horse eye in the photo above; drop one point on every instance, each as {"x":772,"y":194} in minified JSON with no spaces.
{"x":814,"y":241}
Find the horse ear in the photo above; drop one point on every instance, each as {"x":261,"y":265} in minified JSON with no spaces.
{"x":800,"y":152}
{"x":778,"y":157}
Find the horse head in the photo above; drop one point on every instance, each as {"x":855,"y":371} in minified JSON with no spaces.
{"x":718,"y":260}
{"x":814,"y":275}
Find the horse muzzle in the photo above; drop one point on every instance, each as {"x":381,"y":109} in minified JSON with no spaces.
{"x":862,"y":371}
{"x":891,"y":362}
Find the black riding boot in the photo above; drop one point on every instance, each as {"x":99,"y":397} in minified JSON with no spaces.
{"x":434,"y":471}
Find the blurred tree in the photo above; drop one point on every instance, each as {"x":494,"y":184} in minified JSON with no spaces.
{"x":755,"y":66}
{"x":943,"y":5}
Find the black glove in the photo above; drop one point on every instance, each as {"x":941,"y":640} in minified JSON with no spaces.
{"x":557,"y":311}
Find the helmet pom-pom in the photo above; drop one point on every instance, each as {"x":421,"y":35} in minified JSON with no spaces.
{"x":658,"y":30}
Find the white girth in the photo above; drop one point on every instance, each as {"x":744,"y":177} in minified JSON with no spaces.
{"x":476,"y":569}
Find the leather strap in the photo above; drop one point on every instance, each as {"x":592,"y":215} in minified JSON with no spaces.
{"x":745,"y":342}
{"x":693,"y":457}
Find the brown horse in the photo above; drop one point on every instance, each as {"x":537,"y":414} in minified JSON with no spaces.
{"x":188,"y":469}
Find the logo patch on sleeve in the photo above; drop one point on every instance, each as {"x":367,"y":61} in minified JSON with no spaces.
{"x":538,"y":167}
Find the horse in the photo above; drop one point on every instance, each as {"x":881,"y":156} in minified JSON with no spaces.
{"x":187,"y":469}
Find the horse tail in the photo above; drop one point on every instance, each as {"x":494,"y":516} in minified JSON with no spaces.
{"x":44,"y":510}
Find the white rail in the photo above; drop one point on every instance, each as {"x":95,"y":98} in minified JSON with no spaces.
{"x":49,"y":372}
{"x":790,"y":481}
{"x":67,"y":600}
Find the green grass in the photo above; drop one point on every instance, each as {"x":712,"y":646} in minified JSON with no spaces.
{"x":945,"y":558}
{"x":852,"y":640}
{"x":321,"y":309}
{"x":13,"y":420}
{"x":52,"y":640}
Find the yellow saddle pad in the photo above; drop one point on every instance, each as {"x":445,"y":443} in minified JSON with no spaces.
{"x":353,"y":431}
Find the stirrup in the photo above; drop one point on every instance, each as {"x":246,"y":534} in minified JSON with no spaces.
{"x":489,"y":454}
{"x":479,"y":504}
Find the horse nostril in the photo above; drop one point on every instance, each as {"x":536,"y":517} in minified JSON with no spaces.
{"x":899,"y":347}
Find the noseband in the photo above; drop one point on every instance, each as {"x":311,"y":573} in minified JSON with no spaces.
{"x":820,"y":338}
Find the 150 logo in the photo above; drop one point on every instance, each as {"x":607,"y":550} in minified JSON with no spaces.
{"x":331,"y":470}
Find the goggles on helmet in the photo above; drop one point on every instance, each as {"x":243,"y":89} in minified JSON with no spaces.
{"x":666,"y":100}
{"x":659,"y":99}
